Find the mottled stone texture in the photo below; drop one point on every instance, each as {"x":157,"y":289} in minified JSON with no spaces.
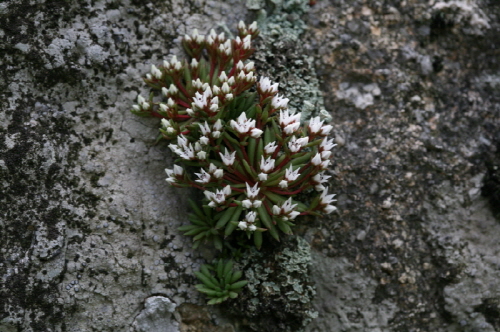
{"x":88,"y":238}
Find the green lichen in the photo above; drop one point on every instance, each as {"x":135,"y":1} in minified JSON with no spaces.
{"x":279,"y":290}
{"x":281,"y":55}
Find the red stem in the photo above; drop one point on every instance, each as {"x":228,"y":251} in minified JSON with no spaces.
{"x":285,"y":192}
{"x":238,"y":189}
{"x":286,"y":160}
{"x":183,"y":103}
{"x":182,"y":88}
{"x":156,"y":115}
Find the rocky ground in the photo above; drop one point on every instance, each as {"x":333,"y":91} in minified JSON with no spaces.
{"x":88,"y":225}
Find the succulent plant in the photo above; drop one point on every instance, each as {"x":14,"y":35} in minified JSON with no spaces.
{"x":250,"y":155}
{"x":224,"y":283}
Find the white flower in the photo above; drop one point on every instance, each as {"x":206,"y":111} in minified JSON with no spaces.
{"x":243,"y":125}
{"x":249,"y":77}
{"x":241,"y":25}
{"x":182,"y":140}
{"x":291,"y":128}
{"x":219,"y":173}
{"x":266,"y":165}
{"x":204,"y":177}
{"x":296,"y":144}
{"x":136,"y":107}
{"x":287,"y":118}
{"x":270,"y":148}
{"x":223,"y":77}
{"x":250,"y":217}
{"x":329,"y":209}
{"x":256,"y":203}
{"x":249,"y":66}
{"x":156,"y":72}
{"x":320,"y":177}
{"x":326,"y":144}
{"x":242,"y":225}
{"x":253,"y":27}
{"x":247,"y":42}
{"x":326,"y":154}
{"x":292,"y":175}
{"x":185,"y":151}
{"x":227,"y":190}
{"x":316,"y":160}
{"x":214,"y":108}
{"x":278,"y":102}
{"x":287,"y":206}
{"x":252,"y":192}
{"x":205,"y":129}
{"x":283,"y":184}
{"x":287,"y":210}
{"x":216,"y":90}
{"x":246,"y":203}
{"x":173,"y":89}
{"x":200,"y":101}
{"x":202,"y":155}
{"x":325,"y":130}
{"x":174,"y":173}
{"x":240,"y":65}
{"x":218,"y":197}
{"x":324,"y":164}
{"x":165,"y":122}
{"x":140,"y":99}
{"x":228,"y":158}
{"x":252,"y":228}
{"x":229,"y":96}
{"x":197,"y":84}
{"x":262,"y":176}
{"x":227,"y":47}
{"x":198,"y":38}
{"x":231,"y":81}
{"x":204,"y":140}
{"x":319,"y":187}
{"x":266,"y":86}
{"x":178,"y":170}
{"x":255,"y":133}
{"x":315,"y":125}
{"x":194,"y":63}
{"x":170,"y":102}
{"x":225,"y":88}
{"x":212,"y":168}
{"x":216,"y":134}
{"x":326,"y":199}
{"x":190,"y":112}
{"x":218,"y":125}
{"x":206,"y":90}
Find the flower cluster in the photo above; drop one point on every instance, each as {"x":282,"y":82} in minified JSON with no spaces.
{"x":250,"y":154}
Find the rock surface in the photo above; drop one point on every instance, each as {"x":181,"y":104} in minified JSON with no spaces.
{"x":88,"y":225}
